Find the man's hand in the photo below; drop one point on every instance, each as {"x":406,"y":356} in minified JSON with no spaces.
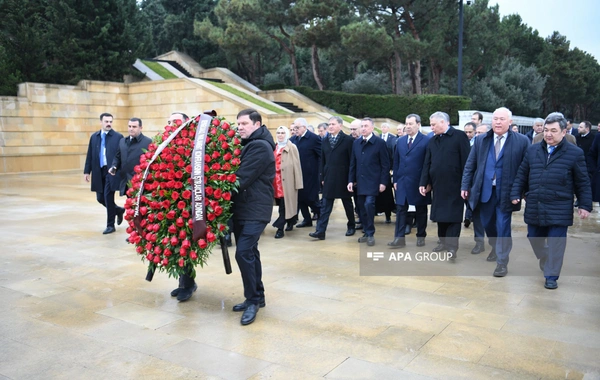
{"x":515,"y":201}
{"x":350,"y":186}
{"x":464,"y":194}
{"x":86,"y":177}
{"x":583,"y":214}
{"x":424,"y":190}
{"x":381,"y":188}
{"x":112,"y":171}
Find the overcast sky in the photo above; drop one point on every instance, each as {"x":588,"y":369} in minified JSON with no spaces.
{"x":578,"y":20}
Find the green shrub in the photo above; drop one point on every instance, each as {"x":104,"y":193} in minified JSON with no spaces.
{"x":395,"y":107}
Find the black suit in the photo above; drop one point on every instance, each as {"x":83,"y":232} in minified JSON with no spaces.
{"x":385,"y":201}
{"x":103,"y":183}
{"x":309,"y":149}
{"x":335,"y":166}
{"x":127,"y":157}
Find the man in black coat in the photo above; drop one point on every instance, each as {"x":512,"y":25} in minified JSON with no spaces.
{"x":368,"y":176}
{"x":487,"y":181}
{"x":100,"y":154}
{"x":548,"y":176}
{"x":593,"y":162}
{"x":385,"y":201}
{"x":538,"y":128}
{"x":336,"y":151}
{"x":252,"y":207}
{"x":309,"y":149}
{"x":128,"y":155}
{"x":445,"y":160}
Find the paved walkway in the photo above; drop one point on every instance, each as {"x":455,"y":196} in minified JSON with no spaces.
{"x":75,"y":305}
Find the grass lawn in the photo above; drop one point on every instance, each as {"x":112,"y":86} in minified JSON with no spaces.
{"x":157,"y":68}
{"x":243,"y":95}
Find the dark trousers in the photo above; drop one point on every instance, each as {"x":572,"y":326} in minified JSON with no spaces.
{"x":281,"y":220}
{"x":449,"y":234}
{"x":367,"y":213}
{"x":327,"y":207}
{"x":402,"y":220}
{"x":247,"y":256}
{"x":497,"y":226}
{"x":549,"y":242}
{"x":478,"y":229}
{"x":303,"y":207}
{"x":107,"y":199}
{"x":356,"y":205}
{"x":186,"y":280}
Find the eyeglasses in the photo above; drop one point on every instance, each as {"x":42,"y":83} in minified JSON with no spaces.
{"x":354,"y":129}
{"x":280,"y":133}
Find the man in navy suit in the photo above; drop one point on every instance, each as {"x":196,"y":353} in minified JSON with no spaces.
{"x":101,"y":152}
{"x":487,"y":180}
{"x":309,"y":149}
{"x":538,"y":128}
{"x":369,"y":172}
{"x":409,"y":155}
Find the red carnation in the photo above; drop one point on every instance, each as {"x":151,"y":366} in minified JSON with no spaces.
{"x":180,"y":263}
{"x":165,"y":262}
{"x":171,"y":215}
{"x":175,"y":195}
{"x":185,"y":214}
{"x":182,"y":234}
{"x":216,"y":166}
{"x":225,"y":125}
{"x":211,"y":217}
{"x":160,"y":216}
{"x":210,"y":237}
{"x":218,"y":210}
{"x":227,"y":156}
{"x":224,"y":145}
{"x":167,"y":252}
{"x":208,"y":190}
{"x":143,"y":210}
{"x":226,"y":166}
{"x":193,"y":255}
{"x":202,"y":243}
{"x":157,"y":250}
{"x":218,"y":193}
{"x":216,"y":122}
{"x":231,"y":133}
{"x":179,"y":222}
{"x":237,"y":152}
{"x":231,"y":178}
{"x":216,"y":154}
{"x":174,"y":241}
{"x":186,"y":194}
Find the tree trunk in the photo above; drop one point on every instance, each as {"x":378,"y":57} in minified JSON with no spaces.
{"x":315,"y":67}
{"x":416,"y":64}
{"x":436,"y":73}
{"x":416,"y":78}
{"x":392,"y":78}
{"x":294,"y":65}
{"x":398,"y":70}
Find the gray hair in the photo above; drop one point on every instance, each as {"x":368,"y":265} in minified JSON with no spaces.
{"x":322,"y":125}
{"x":310,"y":128}
{"x":417,"y":117}
{"x":385,"y":125}
{"x":538,"y":120}
{"x":489,"y":126}
{"x":338,"y":119}
{"x":556,"y":117}
{"x":505,"y":110}
{"x":439,"y":115}
{"x":301,"y":121}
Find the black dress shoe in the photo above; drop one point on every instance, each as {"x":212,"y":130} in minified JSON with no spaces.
{"x":388,"y":221}
{"x":317,"y":235}
{"x":500,"y":270}
{"x":363,"y":239}
{"x":249,"y":314}
{"x":290,"y":226}
{"x":350,"y":232}
{"x":304,"y":223}
{"x":420,"y":241}
{"x":371,"y":241}
{"x":550,"y":284}
{"x":452,"y":254}
{"x":279,"y":234}
{"x":185,"y":294}
{"x":407,"y":230}
{"x":479,"y":247}
{"x":228,"y":240}
{"x":315,"y":217}
{"x":492,"y":256}
{"x":108,"y":230}
{"x":397,"y":243}
{"x":439,"y":248}
{"x":242,"y":306}
{"x":359,"y":226}
{"x":120,"y":212}
{"x":467,"y":223}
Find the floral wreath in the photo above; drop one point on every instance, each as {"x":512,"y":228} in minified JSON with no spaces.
{"x":179,"y":201}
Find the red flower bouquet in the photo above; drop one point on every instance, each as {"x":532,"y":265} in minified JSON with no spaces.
{"x":179,"y":201}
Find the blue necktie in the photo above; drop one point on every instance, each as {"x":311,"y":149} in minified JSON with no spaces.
{"x":102,"y":147}
{"x":550,"y":151}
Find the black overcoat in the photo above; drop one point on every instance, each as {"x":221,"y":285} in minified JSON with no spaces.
{"x":92,"y":160}
{"x":309,"y":148}
{"x":445,"y":160}
{"x":127,"y":157}
{"x":335,"y":165}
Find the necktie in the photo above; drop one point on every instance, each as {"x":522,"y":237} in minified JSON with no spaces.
{"x":410,"y":142}
{"x":332,"y":141}
{"x":498,"y":147}
{"x":102,"y":148}
{"x":384,"y":137}
{"x":364,"y":141}
{"x":550,"y":151}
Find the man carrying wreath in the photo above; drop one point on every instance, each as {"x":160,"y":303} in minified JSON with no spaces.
{"x":252,"y":207}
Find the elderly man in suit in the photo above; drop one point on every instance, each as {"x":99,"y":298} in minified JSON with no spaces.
{"x":309,"y":148}
{"x":369,"y":173}
{"x":128,"y":155}
{"x":538,"y":127}
{"x":549,"y":174}
{"x":409,"y":156}
{"x":102,"y":148}
{"x":445,"y":159}
{"x":385,"y":201}
{"x":487,"y":180}
{"x":336,"y":151}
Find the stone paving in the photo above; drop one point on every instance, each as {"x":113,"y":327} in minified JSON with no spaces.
{"x":75,"y":305}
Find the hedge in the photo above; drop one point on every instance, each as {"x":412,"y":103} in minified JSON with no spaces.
{"x":395,"y":107}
